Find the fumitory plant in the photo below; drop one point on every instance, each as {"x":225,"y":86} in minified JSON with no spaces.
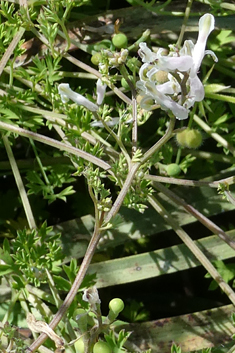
{"x":97,"y":137}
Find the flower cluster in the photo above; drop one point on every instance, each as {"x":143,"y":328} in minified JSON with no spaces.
{"x":172,"y":81}
{"x":115,"y":58}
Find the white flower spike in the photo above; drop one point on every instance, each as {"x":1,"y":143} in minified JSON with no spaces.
{"x":66,"y":94}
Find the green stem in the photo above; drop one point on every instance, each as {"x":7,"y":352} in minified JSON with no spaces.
{"x":125,"y":75}
{"x":185,"y":182}
{"x":161,"y":142}
{"x":39,"y":162}
{"x":73,"y":291}
{"x":193,"y":247}
{"x":54,"y":291}
{"x":54,"y":143}
{"x":214,"y":135}
{"x":11,"y":48}
{"x":230,"y":198}
{"x":183,"y":27}
{"x":210,"y":156}
{"x":95,"y":240}
{"x":49,"y":115}
{"x":190,"y":121}
{"x":40,"y":294}
{"x":135,"y":126}
{"x":61,"y":23}
{"x":143,"y":38}
{"x":93,"y":198}
{"x":119,"y":200}
{"x":116,"y":138}
{"x":177,"y":160}
{"x":19,"y":183}
{"x":134,"y":168}
{"x":25,"y":164}
{"x":199,"y":216}
{"x":14,"y":298}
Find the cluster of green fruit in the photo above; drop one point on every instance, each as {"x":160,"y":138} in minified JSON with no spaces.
{"x":119,"y":41}
{"x":116,"y":305}
{"x":189,"y":138}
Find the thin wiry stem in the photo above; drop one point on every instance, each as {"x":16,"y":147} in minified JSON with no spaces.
{"x":116,"y":138}
{"x":10,"y":49}
{"x":20,"y":184}
{"x":73,"y":291}
{"x":161,"y":142}
{"x":183,"y":27}
{"x":193,"y":247}
{"x":135,"y":126}
{"x":214,"y":135}
{"x":198,"y":215}
{"x":54,"y":143}
{"x":185,"y":182}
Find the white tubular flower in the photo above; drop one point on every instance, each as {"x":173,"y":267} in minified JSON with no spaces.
{"x":100,"y":91}
{"x":180,"y":63}
{"x":171,"y":81}
{"x":206,"y":26}
{"x":166,"y":102}
{"x":196,"y":89}
{"x":112,"y":122}
{"x":66,"y":94}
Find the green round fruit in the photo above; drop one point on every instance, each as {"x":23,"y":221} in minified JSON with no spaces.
{"x":193,"y":139}
{"x":173,"y":170}
{"x":101,"y":347}
{"x":181,"y":138}
{"x":116,"y":305}
{"x":120,"y":40}
{"x":79,"y":346}
{"x":96,"y":58}
{"x":190,"y":138}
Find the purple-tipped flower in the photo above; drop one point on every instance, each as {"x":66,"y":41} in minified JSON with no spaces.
{"x":91,"y":296}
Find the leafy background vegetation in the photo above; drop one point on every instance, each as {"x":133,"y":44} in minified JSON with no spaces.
{"x":139,"y":258}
